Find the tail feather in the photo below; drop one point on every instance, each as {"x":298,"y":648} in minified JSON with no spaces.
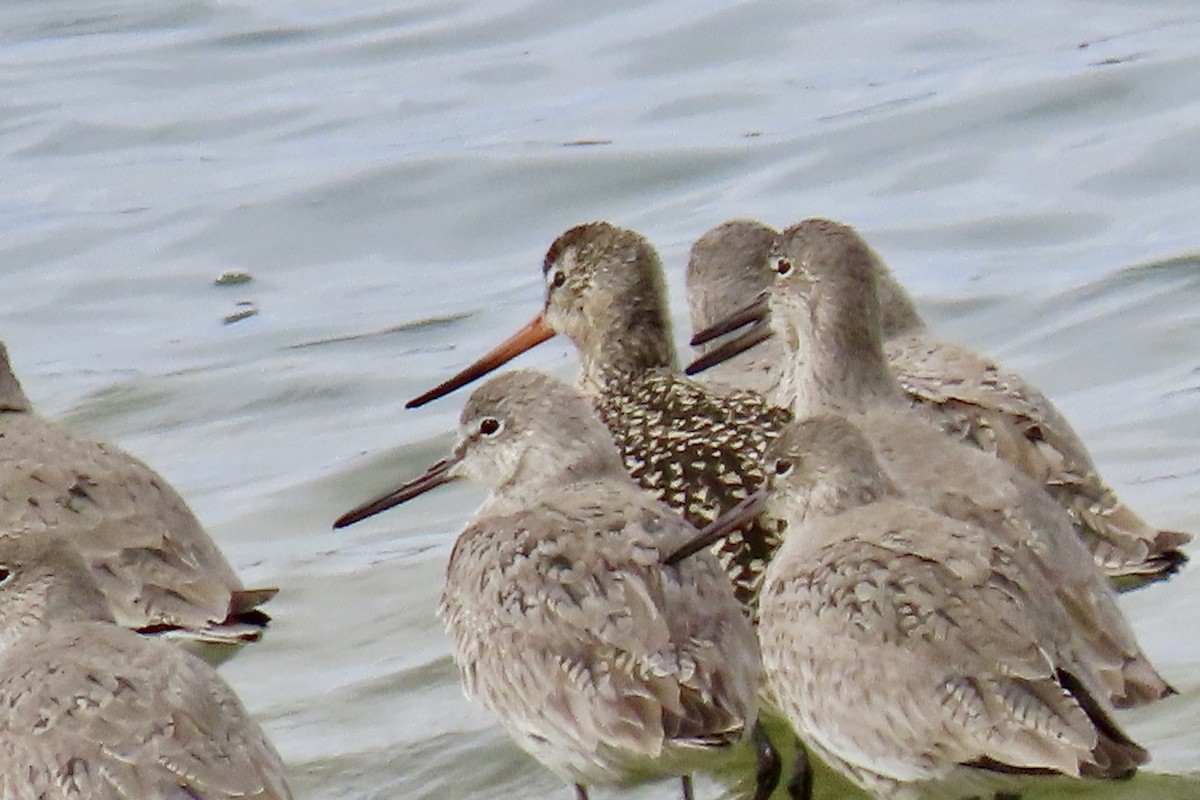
{"x":1130,"y":551}
{"x":246,"y":602}
{"x":1115,"y":756}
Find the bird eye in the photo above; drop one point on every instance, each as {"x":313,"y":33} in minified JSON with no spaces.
{"x":5,"y":574}
{"x":555,"y":278}
{"x":783,"y":467}
{"x":782,"y":267}
{"x":490,"y":426}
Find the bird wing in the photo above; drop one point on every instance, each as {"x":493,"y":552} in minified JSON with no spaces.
{"x":96,"y":706}
{"x":565,"y":623}
{"x":146,"y":550}
{"x":922,"y":647}
{"x":701,"y":454}
{"x":980,"y":402}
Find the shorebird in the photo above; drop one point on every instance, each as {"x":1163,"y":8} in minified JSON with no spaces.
{"x":92,"y":711}
{"x":605,"y":666}
{"x":824,"y":310}
{"x":976,"y":400}
{"x":698,"y":451}
{"x":913,"y":651}
{"x":154,"y":564}
{"x":727,"y":269}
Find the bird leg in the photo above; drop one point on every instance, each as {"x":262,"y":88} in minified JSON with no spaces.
{"x":767,"y":764}
{"x":800,"y":785}
{"x":686,"y":782}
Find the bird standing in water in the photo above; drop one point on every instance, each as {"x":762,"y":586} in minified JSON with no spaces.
{"x":698,"y":450}
{"x":604,"y":665}
{"x":824,"y":308}
{"x":913,"y":651}
{"x":971,"y":397}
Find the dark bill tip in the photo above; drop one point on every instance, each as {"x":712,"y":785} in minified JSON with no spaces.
{"x":735,"y":346}
{"x":434,"y":477}
{"x":715,"y":531}
{"x":757,"y":311}
{"x":528,"y":337}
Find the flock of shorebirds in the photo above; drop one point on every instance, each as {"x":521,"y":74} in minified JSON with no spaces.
{"x":913,"y":558}
{"x":109,"y":588}
{"x":889,"y":540}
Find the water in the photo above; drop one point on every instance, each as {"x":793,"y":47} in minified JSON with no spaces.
{"x":391,"y":174}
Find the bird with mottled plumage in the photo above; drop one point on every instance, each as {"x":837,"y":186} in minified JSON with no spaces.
{"x":92,"y":711}
{"x":697,"y":450}
{"x":915,"y":652}
{"x":823,"y":307}
{"x":604,"y":665}
{"x":972,"y":398}
{"x":153,"y":562}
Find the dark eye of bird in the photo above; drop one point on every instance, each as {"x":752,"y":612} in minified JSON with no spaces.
{"x":783,"y":467}
{"x":489,"y":426}
{"x":5,"y":574}
{"x":783,"y":267}
{"x":556,"y":278}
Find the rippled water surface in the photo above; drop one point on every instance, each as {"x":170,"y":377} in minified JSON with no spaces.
{"x":391,"y":173}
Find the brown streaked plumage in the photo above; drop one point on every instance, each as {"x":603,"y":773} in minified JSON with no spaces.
{"x":915,"y":652}
{"x":92,"y":711}
{"x":157,"y":568}
{"x":699,"y":451}
{"x":976,"y":400}
{"x":604,"y":665}
{"x":823,"y":306}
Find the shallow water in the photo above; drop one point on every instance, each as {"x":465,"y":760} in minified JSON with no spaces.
{"x":391,"y":174}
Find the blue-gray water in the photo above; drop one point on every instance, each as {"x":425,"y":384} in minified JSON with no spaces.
{"x":391,"y":173}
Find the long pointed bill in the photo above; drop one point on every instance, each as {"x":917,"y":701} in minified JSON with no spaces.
{"x":758,"y":311}
{"x":527,"y":338}
{"x":724,"y":525}
{"x":759,"y":332}
{"x":434,"y":477}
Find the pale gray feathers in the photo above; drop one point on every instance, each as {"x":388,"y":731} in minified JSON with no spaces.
{"x":910,"y":648}
{"x":605,"y":666}
{"x":92,"y":711}
{"x":146,"y":550}
{"x":971,"y":397}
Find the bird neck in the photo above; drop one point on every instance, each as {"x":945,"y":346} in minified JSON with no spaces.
{"x":541,"y":470}
{"x":838,"y":363}
{"x":897,"y":312}
{"x":632,"y":347}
